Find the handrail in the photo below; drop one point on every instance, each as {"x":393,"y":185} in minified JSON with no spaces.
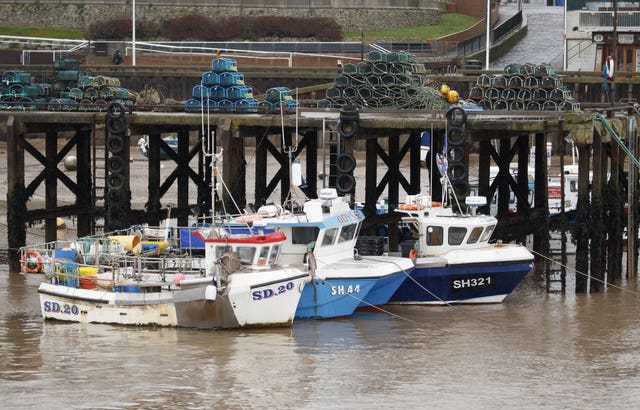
{"x":615,"y":136}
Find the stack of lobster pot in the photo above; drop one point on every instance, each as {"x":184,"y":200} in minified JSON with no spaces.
{"x":388,"y":80}
{"x":524,"y":87}
{"x":17,"y":92}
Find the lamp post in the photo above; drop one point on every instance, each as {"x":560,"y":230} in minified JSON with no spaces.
{"x":488,"y":42}
{"x":133,"y":33}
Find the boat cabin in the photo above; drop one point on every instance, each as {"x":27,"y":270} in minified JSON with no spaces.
{"x":253,"y":251}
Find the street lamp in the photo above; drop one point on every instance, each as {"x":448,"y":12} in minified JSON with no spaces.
{"x":133,"y":33}
{"x":488,"y":33}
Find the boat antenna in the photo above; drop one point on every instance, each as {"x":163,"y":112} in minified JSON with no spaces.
{"x":289,"y":150}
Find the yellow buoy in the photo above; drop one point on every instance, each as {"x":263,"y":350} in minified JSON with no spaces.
{"x":444,"y":90}
{"x":452,"y":96}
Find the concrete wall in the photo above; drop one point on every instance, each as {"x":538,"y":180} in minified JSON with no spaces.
{"x":79,"y":15}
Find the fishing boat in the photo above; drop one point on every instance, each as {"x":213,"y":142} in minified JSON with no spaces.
{"x":235,"y":285}
{"x":321,"y":233}
{"x":171,"y":142}
{"x":455,"y":262}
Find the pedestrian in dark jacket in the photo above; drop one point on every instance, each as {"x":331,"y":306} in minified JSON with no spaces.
{"x":117,"y":58}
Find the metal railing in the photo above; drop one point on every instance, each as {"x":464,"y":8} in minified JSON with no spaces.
{"x":307,"y":4}
{"x":603,"y":20}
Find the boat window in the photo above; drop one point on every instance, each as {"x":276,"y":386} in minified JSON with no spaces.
{"x":475,"y":234}
{"x":573,"y":186}
{"x":329,"y":236}
{"x":347,"y":233}
{"x":264,"y":255}
{"x":435,"y":235}
{"x":246,"y":253}
{"x":456,"y":235}
{"x":304,"y":235}
{"x":220,"y":250}
{"x":487,"y":233}
{"x":274,"y":254}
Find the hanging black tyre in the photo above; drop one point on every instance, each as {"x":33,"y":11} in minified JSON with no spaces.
{"x":345,"y":183}
{"x":115,"y":144}
{"x":457,"y":172}
{"x":349,"y":112}
{"x":115,"y":110}
{"x":456,"y":136}
{"x":456,"y":116}
{"x":116,"y":125}
{"x":115,"y":164}
{"x":345,"y":163}
{"x":455,"y":154}
{"x":347,"y":128}
{"x":115,"y":181}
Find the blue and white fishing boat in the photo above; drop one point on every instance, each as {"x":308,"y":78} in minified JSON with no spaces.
{"x":322,"y":234}
{"x":454,"y":259}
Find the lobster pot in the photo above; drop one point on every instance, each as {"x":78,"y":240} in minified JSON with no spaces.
{"x":499,"y":81}
{"x":210,"y":78}
{"x":117,"y":92}
{"x":247,"y":105}
{"x":200,"y":91}
{"x":67,"y":75}
{"x":193,"y":105}
{"x":333,"y":92}
{"x":405,"y":57}
{"x":508,"y":94}
{"x":549,"y":106}
{"x":68,"y":104}
{"x":76,"y":94}
{"x":491,"y":94}
{"x":350,"y":68}
{"x":44,"y":90}
{"x":287,"y":105}
{"x":363,"y":67}
{"x":66,"y":64}
{"x":374,"y":56}
{"x":106,"y":81}
{"x":373,"y":80}
{"x":8,"y":103}
{"x":500,"y":105}
{"x":524,"y":95}
{"x":217,"y":92}
{"x":221,"y":65}
{"x":91,"y":93}
{"x":228,"y":79}
{"x":527,"y":69}
{"x":531,"y":82}
{"x":226,"y":105}
{"x":342,"y":80}
{"x":515,"y":82}
{"x":210,"y":104}
{"x":532,"y":106}
{"x":275,"y":94}
{"x":389,"y":79}
{"x":392,"y":57}
{"x":16,"y":90}
{"x":24,"y":90}
{"x":517,"y":106}
{"x":266,"y":106}
{"x":239,"y":92}
{"x":85,"y":82}
{"x":84,"y":105}
{"x":539,"y":94}
{"x":365,"y":92}
{"x":16,"y":77}
{"x":324,"y":103}
{"x":485,"y":104}
{"x":512,"y":69}
{"x":484,"y":80}
{"x":543,"y":70}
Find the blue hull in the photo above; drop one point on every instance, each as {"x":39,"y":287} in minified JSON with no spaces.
{"x":323,"y":299}
{"x":383,"y":289}
{"x":472,"y":283}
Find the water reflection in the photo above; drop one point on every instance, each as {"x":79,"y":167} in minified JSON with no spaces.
{"x":534,"y":350}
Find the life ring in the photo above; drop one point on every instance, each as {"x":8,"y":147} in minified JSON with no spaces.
{"x":32,"y":261}
{"x":413,"y":253}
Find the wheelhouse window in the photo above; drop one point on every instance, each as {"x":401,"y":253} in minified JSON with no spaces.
{"x":435,"y":235}
{"x":246,"y":253}
{"x":275,"y":250}
{"x":221,"y":250}
{"x":348,"y":232}
{"x":264,"y":255}
{"x":329,"y":236}
{"x":475,"y":234}
{"x":487,"y":233}
{"x":456,"y":235}
{"x":304,"y":235}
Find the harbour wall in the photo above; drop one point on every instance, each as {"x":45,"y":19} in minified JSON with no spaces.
{"x":350,"y":15}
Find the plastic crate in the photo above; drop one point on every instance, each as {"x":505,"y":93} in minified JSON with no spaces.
{"x":221,"y":65}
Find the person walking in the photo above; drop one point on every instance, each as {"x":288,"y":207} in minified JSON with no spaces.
{"x":117,"y":58}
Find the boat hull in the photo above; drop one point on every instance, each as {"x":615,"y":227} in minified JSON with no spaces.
{"x":470,"y":283}
{"x":248,"y":303}
{"x":333,"y":297}
{"x":384,"y":288}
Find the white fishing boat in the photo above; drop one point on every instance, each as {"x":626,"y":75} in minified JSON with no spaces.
{"x":225,"y":289}
{"x":455,"y":262}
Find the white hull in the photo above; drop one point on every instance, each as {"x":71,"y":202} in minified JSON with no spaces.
{"x":475,"y":301}
{"x":248,"y":301}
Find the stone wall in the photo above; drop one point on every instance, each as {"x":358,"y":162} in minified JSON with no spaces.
{"x":79,"y":15}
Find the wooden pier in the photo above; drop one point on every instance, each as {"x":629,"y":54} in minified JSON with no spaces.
{"x":101,"y":183}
